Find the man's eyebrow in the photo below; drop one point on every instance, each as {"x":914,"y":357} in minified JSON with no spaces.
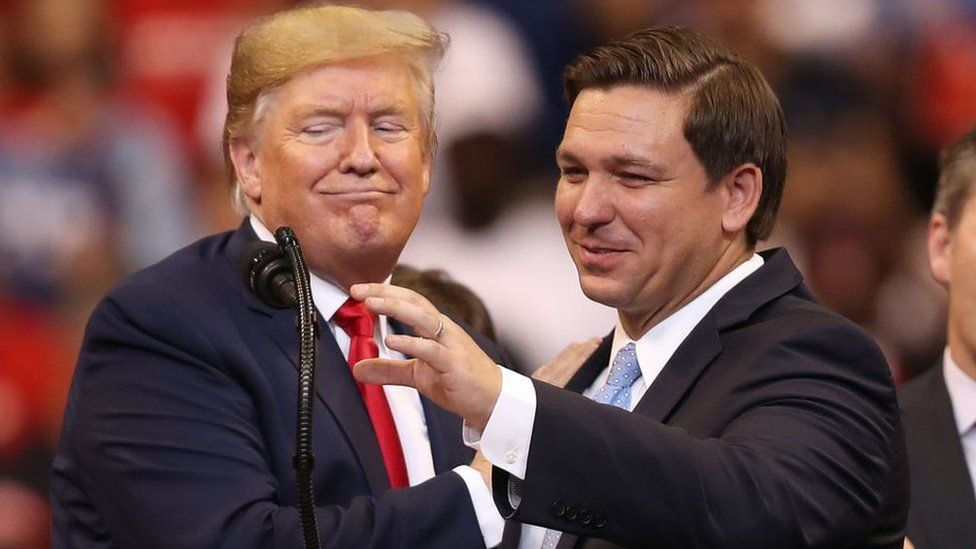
{"x":628,"y":161}
{"x":394,"y":109}
{"x":562,"y":155}
{"x":319,"y":111}
{"x":338,"y":112}
{"x":615,"y":161}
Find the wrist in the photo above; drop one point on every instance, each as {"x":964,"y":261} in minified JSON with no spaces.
{"x":480,"y":415}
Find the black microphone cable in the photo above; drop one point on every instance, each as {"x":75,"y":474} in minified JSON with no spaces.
{"x":279,"y":277}
{"x":307,"y":322}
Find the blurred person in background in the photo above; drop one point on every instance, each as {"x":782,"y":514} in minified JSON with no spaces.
{"x":849,"y":215}
{"x":32,"y":359}
{"x":939,"y":407}
{"x":180,"y":426}
{"x":91,"y":186}
{"x":85,"y":176}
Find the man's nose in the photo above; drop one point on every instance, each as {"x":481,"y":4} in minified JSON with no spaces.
{"x":356,"y":150}
{"x":594,"y":203}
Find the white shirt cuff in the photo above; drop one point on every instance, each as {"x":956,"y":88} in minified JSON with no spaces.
{"x":489,"y":520}
{"x":505,"y":441}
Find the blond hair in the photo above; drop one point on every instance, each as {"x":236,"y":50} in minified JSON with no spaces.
{"x":279,"y":47}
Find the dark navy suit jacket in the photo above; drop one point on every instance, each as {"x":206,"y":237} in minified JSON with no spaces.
{"x":180,"y":427}
{"x":774,"y":425}
{"x":943,"y":512}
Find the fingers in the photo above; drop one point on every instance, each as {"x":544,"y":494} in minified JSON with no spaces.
{"x":384,"y":371}
{"x":363,"y":291}
{"x":483,"y":466}
{"x":427,"y":350}
{"x":402,"y":304}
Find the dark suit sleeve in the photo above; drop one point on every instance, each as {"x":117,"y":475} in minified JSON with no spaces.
{"x":803,"y":461}
{"x":167,"y":444}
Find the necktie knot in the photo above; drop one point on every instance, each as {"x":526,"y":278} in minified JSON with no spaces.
{"x":624,"y":371}
{"x":354,"y":318}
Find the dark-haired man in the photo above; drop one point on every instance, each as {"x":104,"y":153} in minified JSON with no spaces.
{"x":939,"y":407}
{"x":727,"y":408}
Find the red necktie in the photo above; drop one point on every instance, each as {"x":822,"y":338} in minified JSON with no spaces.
{"x":356,"y":320}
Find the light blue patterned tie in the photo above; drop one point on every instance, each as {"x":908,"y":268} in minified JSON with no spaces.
{"x":623,"y":373}
{"x":616,"y":392}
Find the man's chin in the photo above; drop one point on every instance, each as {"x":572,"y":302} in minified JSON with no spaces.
{"x":602,"y":290}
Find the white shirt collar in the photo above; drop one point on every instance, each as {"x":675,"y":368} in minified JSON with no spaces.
{"x":654,"y":348}
{"x":327,"y":296}
{"x":962,"y":393}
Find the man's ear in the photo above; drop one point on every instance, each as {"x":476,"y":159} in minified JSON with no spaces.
{"x":245,"y":158}
{"x":940,"y":249}
{"x":426,"y":175}
{"x":742,"y":188}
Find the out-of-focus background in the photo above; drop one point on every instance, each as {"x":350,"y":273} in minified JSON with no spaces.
{"x":110,"y":117}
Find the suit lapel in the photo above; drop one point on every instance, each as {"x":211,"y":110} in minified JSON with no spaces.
{"x":334,"y":384}
{"x":776,"y":277}
{"x":698,"y":349}
{"x":948,"y":499}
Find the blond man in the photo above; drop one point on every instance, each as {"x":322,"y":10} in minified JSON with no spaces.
{"x":181,"y":424}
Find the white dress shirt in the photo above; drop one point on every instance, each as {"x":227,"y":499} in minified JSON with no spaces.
{"x":962,"y":394}
{"x":405,"y":406}
{"x":505,"y":440}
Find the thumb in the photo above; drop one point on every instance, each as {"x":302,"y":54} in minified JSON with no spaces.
{"x":384,"y":371}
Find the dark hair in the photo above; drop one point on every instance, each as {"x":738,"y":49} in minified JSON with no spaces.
{"x":957,"y":176}
{"x":734,"y":116}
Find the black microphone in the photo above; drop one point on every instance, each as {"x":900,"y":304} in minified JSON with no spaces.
{"x":267,"y":272}
{"x":277,"y":274}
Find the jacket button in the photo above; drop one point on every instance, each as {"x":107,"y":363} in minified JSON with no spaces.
{"x":599,"y":520}
{"x":558,"y":508}
{"x":585,"y":517}
{"x":571,"y":512}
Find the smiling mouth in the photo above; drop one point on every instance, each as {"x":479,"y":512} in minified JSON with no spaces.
{"x":598,"y":249}
{"x":355,"y":192}
{"x":598,"y":257}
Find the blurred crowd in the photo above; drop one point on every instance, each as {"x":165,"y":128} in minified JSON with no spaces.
{"x":111,"y":111}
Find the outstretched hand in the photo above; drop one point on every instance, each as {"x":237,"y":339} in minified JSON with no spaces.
{"x":447,"y":366}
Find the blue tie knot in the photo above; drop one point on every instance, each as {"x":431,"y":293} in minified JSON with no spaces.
{"x":624,"y":371}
